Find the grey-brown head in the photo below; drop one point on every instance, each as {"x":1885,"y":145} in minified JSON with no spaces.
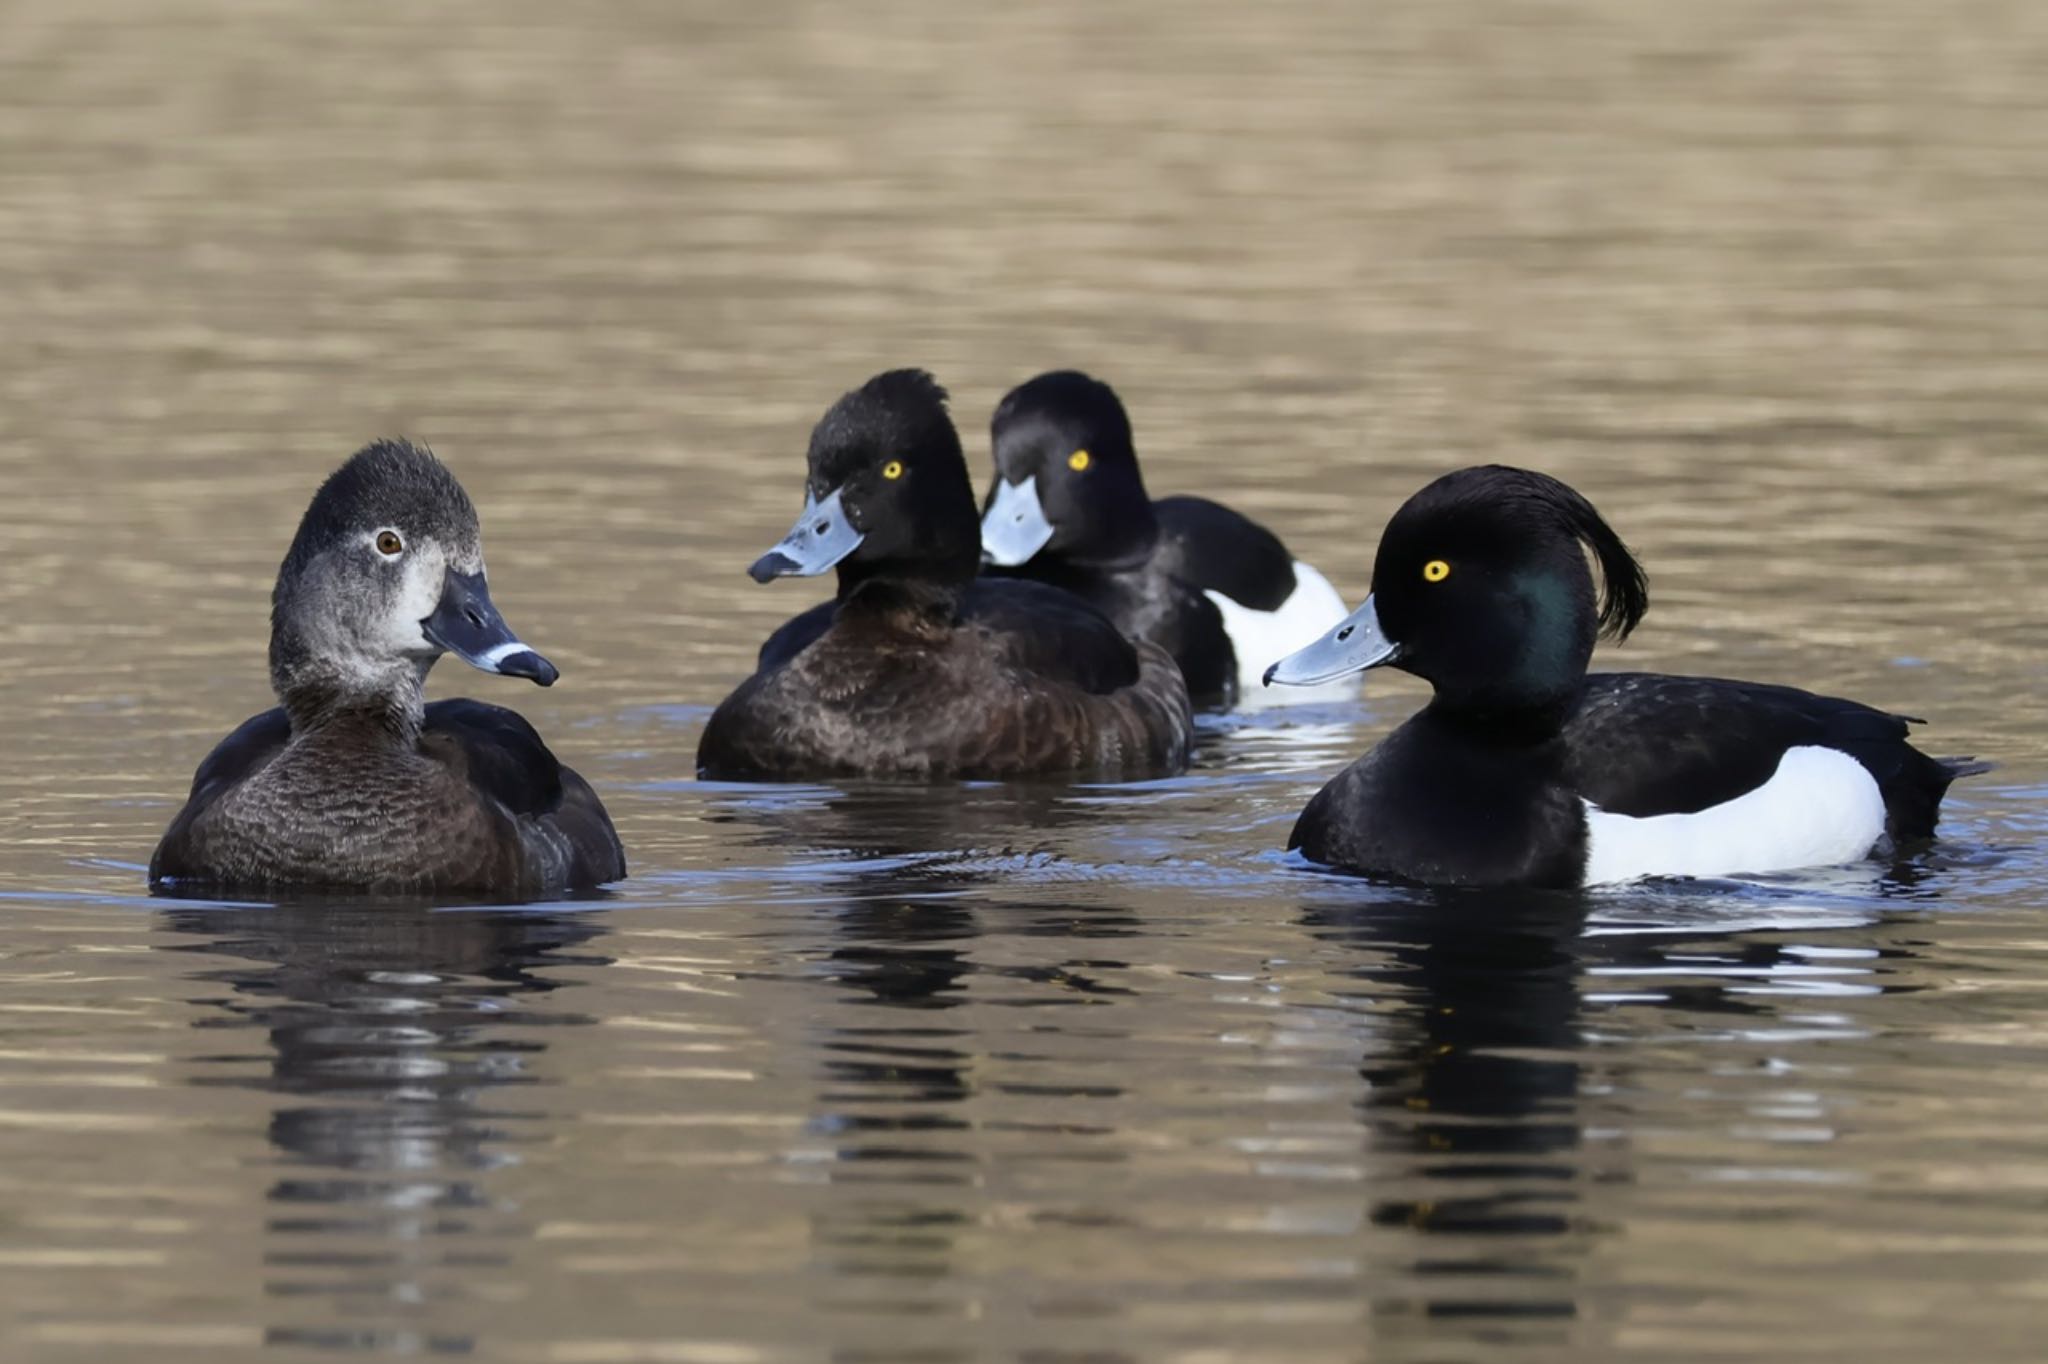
{"x":385,"y":575}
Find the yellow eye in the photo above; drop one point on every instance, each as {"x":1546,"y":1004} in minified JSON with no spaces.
{"x":893,"y":469}
{"x":1078,"y":461}
{"x":388,"y":542}
{"x":1435,"y":571}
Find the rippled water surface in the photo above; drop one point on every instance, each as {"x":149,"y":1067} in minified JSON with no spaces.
{"x":1049,"y":1076}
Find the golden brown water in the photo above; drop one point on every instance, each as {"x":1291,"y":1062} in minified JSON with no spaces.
{"x":973,"y":1075}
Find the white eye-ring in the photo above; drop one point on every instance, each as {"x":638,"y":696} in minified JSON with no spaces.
{"x":388,"y":543}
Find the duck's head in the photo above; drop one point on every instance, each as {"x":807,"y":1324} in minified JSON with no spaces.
{"x":887,"y":494}
{"x":385,"y":575}
{"x":1481,"y":587}
{"x":1067,"y":482}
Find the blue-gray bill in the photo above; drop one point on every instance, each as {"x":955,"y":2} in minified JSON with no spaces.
{"x":467,"y":624}
{"x":1014,"y":527}
{"x":1355,"y":644}
{"x":821,"y":537}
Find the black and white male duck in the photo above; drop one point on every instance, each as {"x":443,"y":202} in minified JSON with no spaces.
{"x":1525,"y":771}
{"x":355,"y":783}
{"x":918,"y":669}
{"x":1219,"y":591}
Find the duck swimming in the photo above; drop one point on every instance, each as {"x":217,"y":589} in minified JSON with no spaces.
{"x":1523,"y":770}
{"x":355,"y":783}
{"x":1069,"y":507}
{"x":918,"y":669}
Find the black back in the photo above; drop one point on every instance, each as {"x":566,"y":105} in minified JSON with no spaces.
{"x":1644,"y":744}
{"x":1147,"y":603}
{"x":1219,"y":550}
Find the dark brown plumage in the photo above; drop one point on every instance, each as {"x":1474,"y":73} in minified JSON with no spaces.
{"x":917,"y":670}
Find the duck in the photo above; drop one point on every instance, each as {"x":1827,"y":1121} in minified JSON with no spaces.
{"x":919,"y":668}
{"x":1068,"y":506}
{"x":1524,"y":770}
{"x":354,"y":782}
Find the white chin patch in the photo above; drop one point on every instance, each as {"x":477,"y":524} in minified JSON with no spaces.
{"x":1260,"y":637}
{"x":1821,"y":808}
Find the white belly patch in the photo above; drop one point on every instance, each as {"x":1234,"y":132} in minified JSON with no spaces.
{"x":1820,"y":808}
{"x":1262,"y":638}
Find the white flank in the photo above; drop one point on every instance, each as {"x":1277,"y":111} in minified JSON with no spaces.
{"x":1820,"y":808}
{"x":1262,"y":638}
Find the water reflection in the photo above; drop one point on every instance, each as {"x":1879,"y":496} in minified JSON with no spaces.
{"x":896,"y":1065}
{"x":1471,"y":1101}
{"x":390,"y":1029}
{"x":914,"y":1082}
{"x":1483,"y":1085}
{"x":958,"y":829}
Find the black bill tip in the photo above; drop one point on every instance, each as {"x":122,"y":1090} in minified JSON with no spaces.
{"x":527,"y":663}
{"x":770,"y":566}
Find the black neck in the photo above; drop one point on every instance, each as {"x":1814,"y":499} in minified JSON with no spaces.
{"x":948,"y":573}
{"x":1501,"y":716}
{"x":1133,"y":548}
{"x":1121,"y":534}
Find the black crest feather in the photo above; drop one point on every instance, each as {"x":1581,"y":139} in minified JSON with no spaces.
{"x":1624,"y":587}
{"x":899,"y":409}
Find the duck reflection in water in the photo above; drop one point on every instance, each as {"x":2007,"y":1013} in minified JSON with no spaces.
{"x":902,"y":1114}
{"x":1480,"y":1091}
{"x":389,"y":1028}
{"x":1473,"y":1093}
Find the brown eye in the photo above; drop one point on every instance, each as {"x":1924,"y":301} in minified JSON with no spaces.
{"x":388,"y":542}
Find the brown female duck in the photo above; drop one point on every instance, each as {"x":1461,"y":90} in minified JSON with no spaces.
{"x":355,"y":783}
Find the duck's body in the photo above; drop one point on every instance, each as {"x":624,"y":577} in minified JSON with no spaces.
{"x":1214,"y":588}
{"x":917,"y":669}
{"x":1267,"y":601}
{"x":1146,"y":602}
{"x":354,"y":783}
{"x":1524,"y":770}
{"x":1004,"y":680}
{"x":1647,"y":775}
{"x":472,"y":803}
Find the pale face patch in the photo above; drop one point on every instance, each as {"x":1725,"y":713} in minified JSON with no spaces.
{"x":414,"y":592}
{"x":1820,"y":808}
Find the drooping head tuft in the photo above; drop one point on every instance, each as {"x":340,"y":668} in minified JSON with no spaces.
{"x":896,"y":412}
{"x":1624,"y":587}
{"x":1481,"y":581}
